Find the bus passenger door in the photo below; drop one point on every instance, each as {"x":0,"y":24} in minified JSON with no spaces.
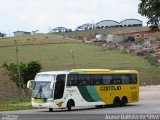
{"x":59,"y":86}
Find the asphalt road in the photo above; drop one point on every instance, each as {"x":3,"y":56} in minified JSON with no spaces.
{"x":145,"y":109}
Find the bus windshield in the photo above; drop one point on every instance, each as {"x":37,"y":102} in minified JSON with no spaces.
{"x":41,"y":88}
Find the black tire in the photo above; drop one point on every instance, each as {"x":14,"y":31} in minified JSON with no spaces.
{"x":116,"y":102}
{"x":50,"y":109}
{"x":124,"y":101}
{"x":69,"y":105}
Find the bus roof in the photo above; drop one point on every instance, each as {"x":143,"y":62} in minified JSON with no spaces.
{"x":93,"y":71}
{"x":53,"y":72}
{"x":90,"y":70}
{"x":103,"y":71}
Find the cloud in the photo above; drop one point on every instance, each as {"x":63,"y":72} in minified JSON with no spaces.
{"x":40,"y":21}
{"x":40,"y":14}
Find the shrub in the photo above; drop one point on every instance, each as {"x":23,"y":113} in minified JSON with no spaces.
{"x":153,"y":60}
{"x":143,"y":53}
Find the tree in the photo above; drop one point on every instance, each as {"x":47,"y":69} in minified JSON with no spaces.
{"x":29,"y":70}
{"x":12,"y":72}
{"x":150,"y":9}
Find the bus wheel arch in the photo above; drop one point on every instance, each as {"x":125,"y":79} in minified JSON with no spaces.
{"x":70,"y":104}
{"x":116,"y":102}
{"x":124,"y":101}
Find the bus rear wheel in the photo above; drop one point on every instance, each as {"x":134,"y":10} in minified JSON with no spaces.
{"x":116,"y":102}
{"x":124,"y":101}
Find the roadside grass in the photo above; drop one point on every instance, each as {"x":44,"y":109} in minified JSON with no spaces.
{"x":19,"y":104}
{"x":17,"y":101}
{"x":10,"y":108}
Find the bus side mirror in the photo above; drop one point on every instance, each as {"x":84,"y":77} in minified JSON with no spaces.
{"x":51,"y":85}
{"x":30,"y":84}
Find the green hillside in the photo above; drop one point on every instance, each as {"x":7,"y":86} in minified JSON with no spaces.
{"x":54,"y":53}
{"x":35,"y":39}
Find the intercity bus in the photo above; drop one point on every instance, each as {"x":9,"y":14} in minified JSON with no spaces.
{"x":84,"y":87}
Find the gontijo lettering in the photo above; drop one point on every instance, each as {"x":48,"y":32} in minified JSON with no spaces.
{"x":107,"y":88}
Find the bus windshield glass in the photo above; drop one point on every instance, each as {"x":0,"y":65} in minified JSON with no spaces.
{"x":41,"y":87}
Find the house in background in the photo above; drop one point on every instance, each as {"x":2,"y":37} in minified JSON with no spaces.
{"x":35,"y":32}
{"x":21,"y":33}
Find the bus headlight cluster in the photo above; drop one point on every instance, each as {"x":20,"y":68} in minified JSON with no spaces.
{"x":32,"y":100}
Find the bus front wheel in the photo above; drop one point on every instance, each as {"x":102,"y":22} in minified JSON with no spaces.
{"x":69,"y":105}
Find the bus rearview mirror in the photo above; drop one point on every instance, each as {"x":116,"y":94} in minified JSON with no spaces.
{"x":30,"y":84}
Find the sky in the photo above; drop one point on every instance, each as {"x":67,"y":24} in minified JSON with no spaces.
{"x":43,"y":15}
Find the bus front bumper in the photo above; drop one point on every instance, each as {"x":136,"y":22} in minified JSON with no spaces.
{"x":42,"y":105}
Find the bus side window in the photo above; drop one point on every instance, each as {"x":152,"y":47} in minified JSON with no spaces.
{"x":84,"y":79}
{"x":125,"y":79}
{"x":96,"y":79}
{"x":117,"y":79}
{"x":72,"y":80}
{"x":107,"y":79}
{"x":133,"y":79}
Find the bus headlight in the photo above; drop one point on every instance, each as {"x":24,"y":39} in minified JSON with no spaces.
{"x":32,"y":100}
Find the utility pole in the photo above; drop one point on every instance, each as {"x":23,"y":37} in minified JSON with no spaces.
{"x":17,"y":61}
{"x":65,"y":34}
{"x":8,"y":33}
{"x":92,"y":24}
{"x":73,"y":58}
